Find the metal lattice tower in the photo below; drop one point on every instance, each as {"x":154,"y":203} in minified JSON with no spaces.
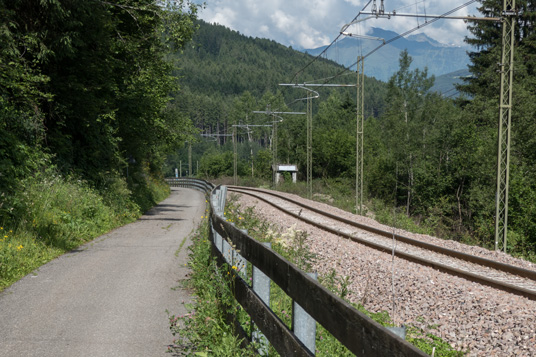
{"x":359,"y":136}
{"x":505,"y":119}
{"x":276,"y":159}
{"x":310,"y":145}
{"x":235,"y":157}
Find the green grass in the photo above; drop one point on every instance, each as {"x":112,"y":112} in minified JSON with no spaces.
{"x":50,"y":215}
{"x":204,"y":331}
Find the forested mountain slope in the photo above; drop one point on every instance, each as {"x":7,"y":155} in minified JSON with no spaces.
{"x":220,"y":65}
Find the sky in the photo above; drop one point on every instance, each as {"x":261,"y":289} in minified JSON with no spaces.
{"x":308,"y":24}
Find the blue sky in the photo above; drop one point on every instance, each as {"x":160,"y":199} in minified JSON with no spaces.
{"x":314,"y":23}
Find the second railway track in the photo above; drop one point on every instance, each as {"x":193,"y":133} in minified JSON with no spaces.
{"x":499,"y":275}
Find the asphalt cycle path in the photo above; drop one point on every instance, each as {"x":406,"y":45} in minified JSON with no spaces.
{"x":110,"y":296}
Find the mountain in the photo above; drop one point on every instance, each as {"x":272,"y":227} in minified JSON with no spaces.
{"x":446,"y":83}
{"x":221,"y":65}
{"x":439,"y":58}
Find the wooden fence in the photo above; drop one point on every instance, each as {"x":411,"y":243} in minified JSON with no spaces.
{"x":359,"y":333}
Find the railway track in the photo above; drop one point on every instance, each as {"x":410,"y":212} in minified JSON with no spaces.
{"x":501,"y":276}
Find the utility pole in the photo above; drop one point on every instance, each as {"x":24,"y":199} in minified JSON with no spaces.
{"x":309,"y":146}
{"x":189,"y":158}
{"x":505,"y":119}
{"x":507,"y":19}
{"x":359,"y":135}
{"x":235,"y":155}
{"x":235,"y":147}
{"x":274,"y":135}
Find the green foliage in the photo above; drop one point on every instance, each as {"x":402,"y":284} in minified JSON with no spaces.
{"x":430,"y":343}
{"x":215,"y":163}
{"x":85,"y":118}
{"x":94,"y":74}
{"x":484,"y":87}
{"x":50,"y":215}
{"x":204,"y":331}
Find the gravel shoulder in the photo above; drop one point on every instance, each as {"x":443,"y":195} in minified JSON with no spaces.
{"x":110,"y":296}
{"x":469,"y":316}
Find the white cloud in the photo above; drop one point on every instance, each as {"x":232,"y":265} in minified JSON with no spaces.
{"x":314,"y":23}
{"x":225,"y":16}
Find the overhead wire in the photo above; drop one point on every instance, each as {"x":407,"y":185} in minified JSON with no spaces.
{"x":405,"y":34}
{"x":327,"y":47}
{"x":348,"y":68}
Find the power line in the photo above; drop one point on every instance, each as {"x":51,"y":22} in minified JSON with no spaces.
{"x":409,"y":31}
{"x":325,"y":50}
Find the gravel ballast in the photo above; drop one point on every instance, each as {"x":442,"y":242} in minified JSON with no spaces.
{"x":469,"y":316}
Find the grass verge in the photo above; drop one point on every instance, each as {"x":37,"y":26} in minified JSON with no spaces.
{"x":203,"y":331}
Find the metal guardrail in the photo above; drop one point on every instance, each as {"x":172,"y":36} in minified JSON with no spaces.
{"x":197,"y":184}
{"x":312,"y":302}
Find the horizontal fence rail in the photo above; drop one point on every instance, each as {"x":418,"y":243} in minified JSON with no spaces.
{"x":197,"y":184}
{"x":312,"y":302}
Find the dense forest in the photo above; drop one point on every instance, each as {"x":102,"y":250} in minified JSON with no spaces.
{"x":434,"y":158}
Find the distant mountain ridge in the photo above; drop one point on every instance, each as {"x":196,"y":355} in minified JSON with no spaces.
{"x":439,"y":58}
{"x":446,"y":83}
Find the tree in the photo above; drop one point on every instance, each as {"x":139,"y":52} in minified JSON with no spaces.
{"x":104,"y":67}
{"x":403,"y":121}
{"x":484,"y":87}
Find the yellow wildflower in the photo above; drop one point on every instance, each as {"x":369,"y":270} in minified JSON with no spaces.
{"x":20,"y":247}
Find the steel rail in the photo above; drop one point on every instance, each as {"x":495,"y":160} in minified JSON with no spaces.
{"x":502,"y":267}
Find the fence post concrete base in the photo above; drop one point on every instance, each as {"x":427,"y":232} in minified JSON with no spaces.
{"x":303,"y":325}
{"x":261,"y":286}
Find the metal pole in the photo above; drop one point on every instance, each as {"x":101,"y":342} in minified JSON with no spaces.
{"x":310,"y":145}
{"x":274,"y":136}
{"x":235,"y":157}
{"x":505,"y":119}
{"x":359,"y":135}
{"x":275,"y":153}
{"x":189,"y":159}
{"x":311,"y":94}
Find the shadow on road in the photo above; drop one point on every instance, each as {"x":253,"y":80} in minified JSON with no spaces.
{"x":165,"y":208}
{"x":160,"y":219}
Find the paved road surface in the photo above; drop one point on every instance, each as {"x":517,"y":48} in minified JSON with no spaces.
{"x":108,"y":298}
